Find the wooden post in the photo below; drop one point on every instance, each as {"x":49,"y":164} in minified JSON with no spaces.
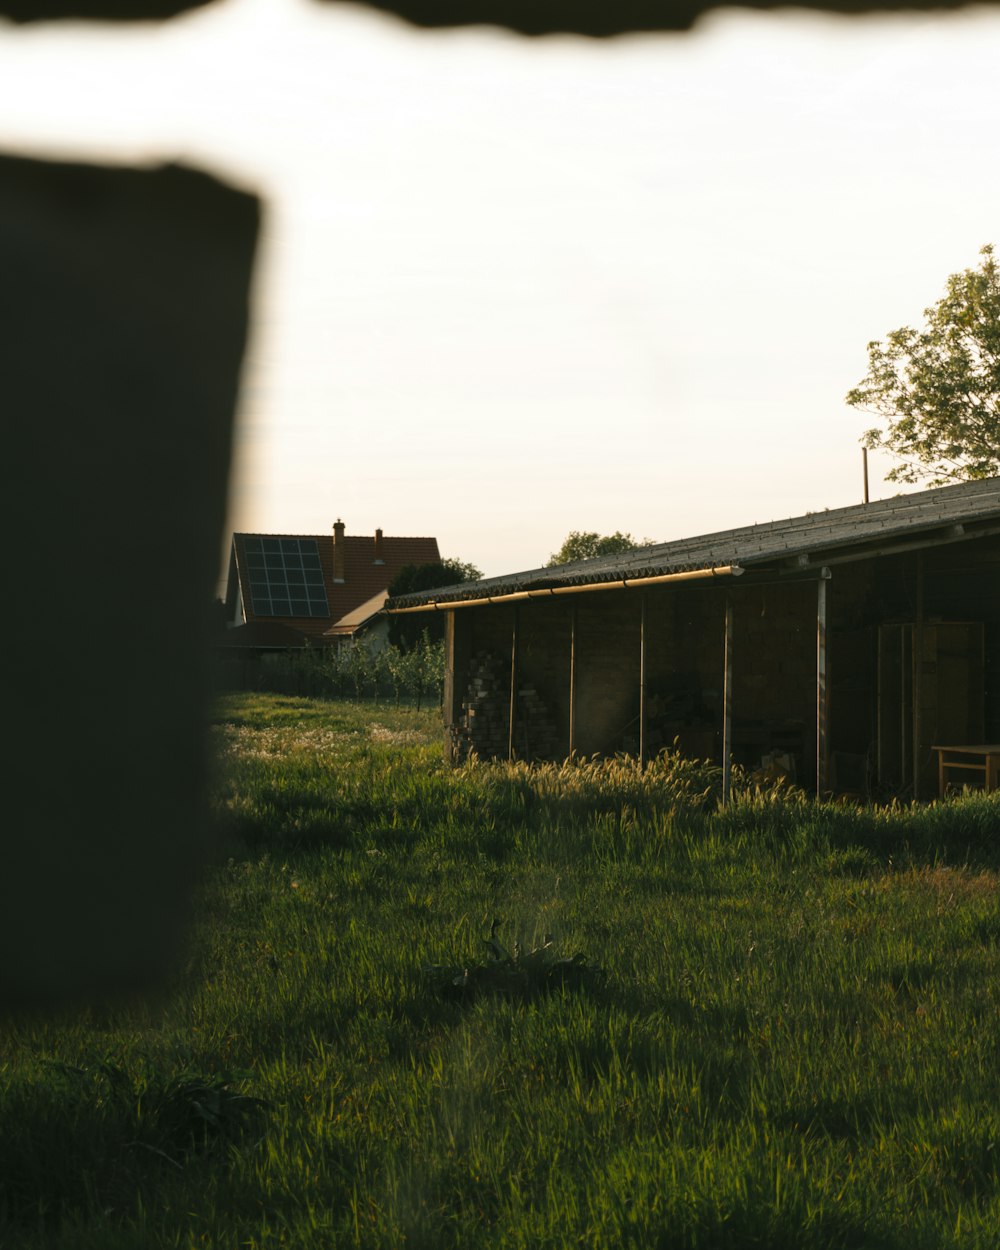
{"x":822,"y":692}
{"x":642,"y":681}
{"x":457,"y":648}
{"x":572,"y":682}
{"x":918,"y":665}
{"x":727,"y":708}
{"x":905,"y":703}
{"x":513,"y":685}
{"x":451,"y":701}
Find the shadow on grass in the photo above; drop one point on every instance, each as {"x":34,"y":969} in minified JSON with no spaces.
{"x":80,"y":1140}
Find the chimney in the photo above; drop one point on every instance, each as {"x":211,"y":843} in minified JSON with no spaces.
{"x":339,"y":563}
{"x":379,"y":559}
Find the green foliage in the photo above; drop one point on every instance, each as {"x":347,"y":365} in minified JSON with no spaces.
{"x":358,"y":671}
{"x":585,"y":544}
{"x":405,"y":631}
{"x":938,"y":388}
{"x":414,"y":577}
{"x":461,"y":570}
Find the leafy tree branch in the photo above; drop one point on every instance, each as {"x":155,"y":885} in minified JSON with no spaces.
{"x":937,"y":389}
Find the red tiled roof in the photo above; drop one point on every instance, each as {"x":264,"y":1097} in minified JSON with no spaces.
{"x":363,"y":578}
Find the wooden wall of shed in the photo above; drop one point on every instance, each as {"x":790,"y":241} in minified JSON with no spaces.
{"x":774,"y":675}
{"x":543,"y":671}
{"x":774,"y":670}
{"x":856,"y":607}
{"x":685,"y":654}
{"x":607,"y":672}
{"x":960,"y":582}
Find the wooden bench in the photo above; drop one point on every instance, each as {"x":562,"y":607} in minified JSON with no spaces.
{"x":984,"y":760}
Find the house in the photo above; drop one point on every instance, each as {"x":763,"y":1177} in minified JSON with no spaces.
{"x":843,"y":646}
{"x":318,"y":588}
{"x":366,"y":623}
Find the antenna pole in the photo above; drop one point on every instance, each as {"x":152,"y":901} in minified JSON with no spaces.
{"x":864,"y":461}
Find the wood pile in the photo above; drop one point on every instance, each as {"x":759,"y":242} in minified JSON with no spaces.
{"x":484,"y":726}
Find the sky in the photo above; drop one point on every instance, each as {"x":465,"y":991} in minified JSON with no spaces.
{"x":508,"y":288}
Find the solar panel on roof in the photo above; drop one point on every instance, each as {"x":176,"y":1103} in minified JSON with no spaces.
{"x":286,"y":578}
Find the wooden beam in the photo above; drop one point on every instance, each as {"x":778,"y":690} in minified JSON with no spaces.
{"x":451,"y":700}
{"x":642,"y":682}
{"x":822,"y":693}
{"x":727,"y":707}
{"x":918,"y":665}
{"x":572,"y":682}
{"x":618,"y":583}
{"x":513,"y":686}
{"x":905,"y":702}
{"x":457,"y":650}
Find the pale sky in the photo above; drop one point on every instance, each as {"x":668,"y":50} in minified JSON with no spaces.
{"x":511,"y":288}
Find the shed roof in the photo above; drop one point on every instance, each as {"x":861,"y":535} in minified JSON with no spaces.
{"x":836,"y":534}
{"x":352,"y":621}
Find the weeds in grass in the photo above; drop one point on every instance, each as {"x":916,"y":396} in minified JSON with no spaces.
{"x":794,"y":1043}
{"x":516,"y":973}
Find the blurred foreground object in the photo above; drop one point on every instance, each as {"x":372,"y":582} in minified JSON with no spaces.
{"x":123,"y":309}
{"x":528,"y":17}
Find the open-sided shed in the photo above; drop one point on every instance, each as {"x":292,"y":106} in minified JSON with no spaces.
{"x":840,"y":646}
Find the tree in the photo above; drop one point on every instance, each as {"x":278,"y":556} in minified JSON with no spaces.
{"x":405,"y":631}
{"x":939,"y":388}
{"x":585,"y":544}
{"x":414,"y":577}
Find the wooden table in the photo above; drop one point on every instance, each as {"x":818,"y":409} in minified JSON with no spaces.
{"x":984,"y":760}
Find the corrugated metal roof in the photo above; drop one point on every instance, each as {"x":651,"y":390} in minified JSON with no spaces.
{"x":754,"y":546}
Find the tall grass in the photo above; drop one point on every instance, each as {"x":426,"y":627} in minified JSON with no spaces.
{"x":793,"y":1043}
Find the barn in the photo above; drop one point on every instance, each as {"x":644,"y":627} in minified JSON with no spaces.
{"x":842,"y":648}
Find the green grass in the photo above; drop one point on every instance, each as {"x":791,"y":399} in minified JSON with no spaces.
{"x":793,"y":1041}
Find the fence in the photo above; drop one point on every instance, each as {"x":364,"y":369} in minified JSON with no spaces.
{"x":352,"y":671}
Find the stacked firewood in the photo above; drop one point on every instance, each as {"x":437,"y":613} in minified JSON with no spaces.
{"x":484,"y":727}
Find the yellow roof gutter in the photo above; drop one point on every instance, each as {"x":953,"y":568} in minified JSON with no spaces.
{"x":627,"y":583}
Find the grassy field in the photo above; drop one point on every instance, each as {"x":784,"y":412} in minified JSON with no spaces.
{"x":777,"y":1025}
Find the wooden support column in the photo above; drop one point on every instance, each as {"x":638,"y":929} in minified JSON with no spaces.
{"x":457,"y":648}
{"x":451,"y":701}
{"x":572,"y":682}
{"x":727,"y":707}
{"x":822,"y":690}
{"x":905,"y":703}
{"x":513,"y":685}
{"x":917,"y":681}
{"x":642,"y":682}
